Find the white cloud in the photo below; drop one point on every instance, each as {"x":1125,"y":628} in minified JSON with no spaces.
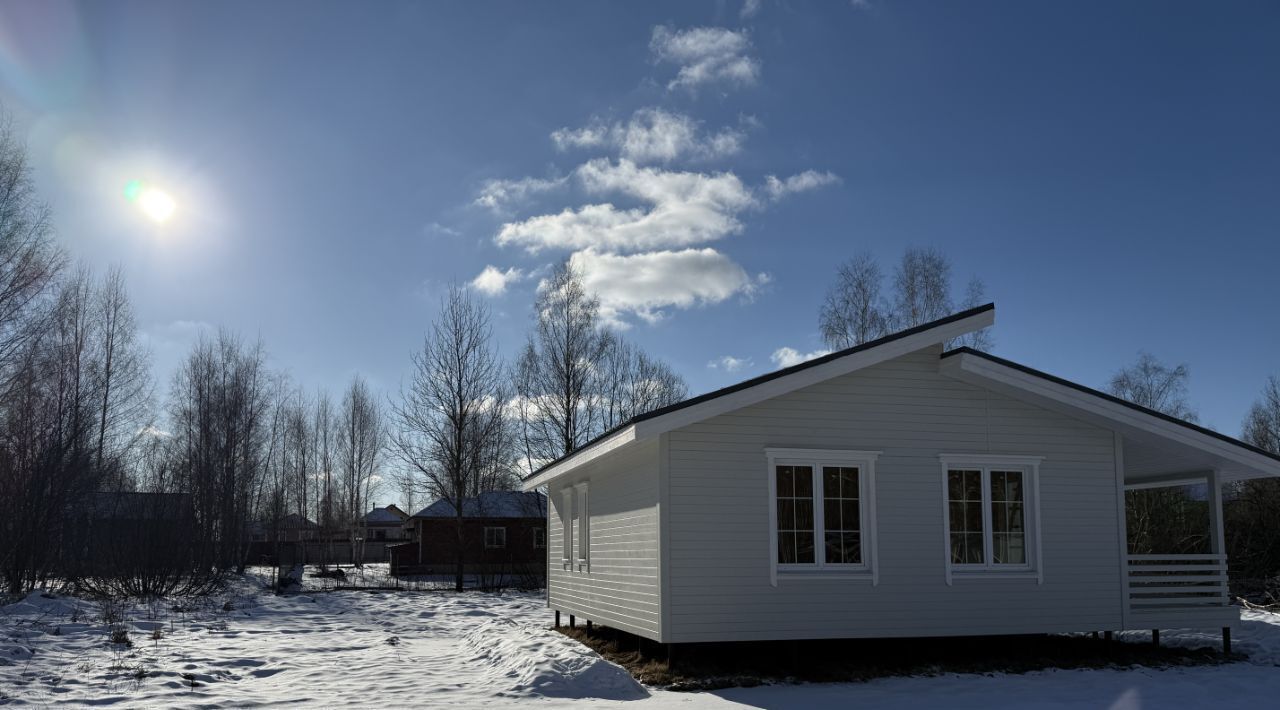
{"x":801,"y":182}
{"x":686,"y":208}
{"x":729,"y":363}
{"x":646,"y":284}
{"x":500,"y":195}
{"x":494,"y":281}
{"x":706,"y":55}
{"x":749,"y":9}
{"x":653,"y":135}
{"x":786,"y":357}
{"x":437,"y":228}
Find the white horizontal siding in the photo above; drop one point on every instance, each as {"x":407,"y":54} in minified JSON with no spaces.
{"x":719,"y":554}
{"x":620,"y":588}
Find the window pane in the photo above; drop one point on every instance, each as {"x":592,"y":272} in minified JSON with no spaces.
{"x":973,"y":548}
{"x":852,"y":548}
{"x":957,"y":548}
{"x":786,"y":548}
{"x":1008,"y":548}
{"x":804,"y":481}
{"x":973,"y":485}
{"x":804,"y":514}
{"x":831,"y":482}
{"x":849,"y":482}
{"x":973,"y":517}
{"x":786,"y":482}
{"x":831,"y":516}
{"x":835,"y":554}
{"x":804,"y":547}
{"x":1015,"y":517}
{"x":795,"y":514}
{"x":786,"y":514}
{"x":850,"y":514}
{"x":999,"y":517}
{"x":955,"y":485}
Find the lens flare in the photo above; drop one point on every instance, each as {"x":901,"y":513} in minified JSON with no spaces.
{"x":154,"y":202}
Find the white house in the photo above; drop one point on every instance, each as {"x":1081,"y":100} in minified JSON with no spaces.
{"x":890,"y":489}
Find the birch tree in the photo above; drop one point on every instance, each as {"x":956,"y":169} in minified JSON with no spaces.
{"x":450,"y":427}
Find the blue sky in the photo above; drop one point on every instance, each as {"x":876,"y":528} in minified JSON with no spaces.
{"x":1109,"y":169}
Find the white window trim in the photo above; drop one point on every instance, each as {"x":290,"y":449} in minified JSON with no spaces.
{"x":581,"y":511}
{"x":566,"y":527}
{"x":487,"y":546}
{"x":865,"y":461}
{"x":1030,"y":465}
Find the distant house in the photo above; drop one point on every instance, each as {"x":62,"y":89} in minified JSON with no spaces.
{"x":384,"y":524}
{"x":502,"y":531}
{"x":896,"y":488}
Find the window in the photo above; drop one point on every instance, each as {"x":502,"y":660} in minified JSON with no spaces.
{"x":821,"y":512}
{"x":990,"y":514}
{"x":582,"y":524}
{"x":566,"y":526}
{"x":539,"y":538}
{"x":495,"y":538}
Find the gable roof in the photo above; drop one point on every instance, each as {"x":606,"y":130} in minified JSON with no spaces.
{"x":388,"y":515}
{"x":494,"y":504}
{"x":1244,"y":460}
{"x":769,"y":385}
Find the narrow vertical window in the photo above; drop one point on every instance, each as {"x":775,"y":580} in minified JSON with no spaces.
{"x":566,"y":525}
{"x":795,"y":514}
{"x":539,"y":538}
{"x":582,"y":523}
{"x":964,"y":492}
{"x":842,"y":517}
{"x":1008,"y":532}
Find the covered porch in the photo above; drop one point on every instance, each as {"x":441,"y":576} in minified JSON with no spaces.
{"x":1178,"y":586}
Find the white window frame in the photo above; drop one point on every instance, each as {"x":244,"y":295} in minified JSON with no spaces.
{"x":495,"y":529}
{"x":988,"y":569}
{"x":865,"y":461}
{"x":566,"y":527}
{"x":539,"y":534}
{"x":583,"y":517}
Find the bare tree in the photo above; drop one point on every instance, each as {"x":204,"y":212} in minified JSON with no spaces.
{"x":975,"y":295}
{"x":560,"y":367}
{"x":1170,"y":520}
{"x":1253,"y":509}
{"x":450,"y":424}
{"x":122,"y":374}
{"x":362,"y":440}
{"x":922,"y":287}
{"x":29,"y":257}
{"x":1154,"y":385}
{"x":632,"y":383}
{"x":220,"y":412}
{"x":855,"y":310}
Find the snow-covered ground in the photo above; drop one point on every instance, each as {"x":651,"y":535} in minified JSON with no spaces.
{"x":430,"y":649}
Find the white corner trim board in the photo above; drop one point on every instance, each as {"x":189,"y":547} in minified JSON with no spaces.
{"x":868,"y":568}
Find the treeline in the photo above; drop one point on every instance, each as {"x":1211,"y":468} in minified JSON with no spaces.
{"x":468,"y":423}
{"x":103,"y":488}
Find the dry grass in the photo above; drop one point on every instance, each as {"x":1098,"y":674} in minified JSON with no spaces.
{"x":725,"y":665}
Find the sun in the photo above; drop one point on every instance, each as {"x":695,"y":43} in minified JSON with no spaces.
{"x":154,"y":202}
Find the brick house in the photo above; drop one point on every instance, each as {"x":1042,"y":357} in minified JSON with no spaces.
{"x":503,"y":532}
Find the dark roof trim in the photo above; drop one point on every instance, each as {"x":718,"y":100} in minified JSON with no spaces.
{"x":767,"y":377}
{"x":1113,"y":399}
